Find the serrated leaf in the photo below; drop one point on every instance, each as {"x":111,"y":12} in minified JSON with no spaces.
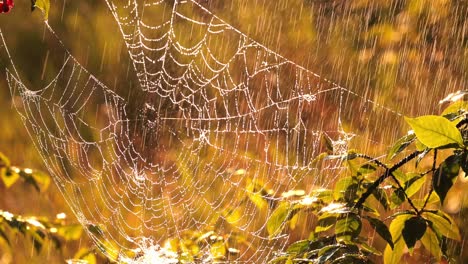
{"x":400,"y":145}
{"x":381,"y":229}
{"x":44,"y":6}
{"x":444,"y":177}
{"x":278,"y":218}
{"x":431,"y":243}
{"x":435,"y":131}
{"x":413,"y":231}
{"x":443,"y":224}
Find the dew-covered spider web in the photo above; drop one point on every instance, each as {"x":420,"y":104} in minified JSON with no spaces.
{"x":216,"y":133}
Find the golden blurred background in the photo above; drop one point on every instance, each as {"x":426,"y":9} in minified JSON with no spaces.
{"x":403,"y":54}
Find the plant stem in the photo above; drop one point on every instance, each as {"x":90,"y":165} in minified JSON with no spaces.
{"x":388,"y":172}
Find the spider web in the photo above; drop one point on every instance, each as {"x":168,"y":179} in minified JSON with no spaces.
{"x":219,"y":128}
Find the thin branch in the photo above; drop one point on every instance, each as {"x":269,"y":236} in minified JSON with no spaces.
{"x":375,"y":160}
{"x":388,"y":172}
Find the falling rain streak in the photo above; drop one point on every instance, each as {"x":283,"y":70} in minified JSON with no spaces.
{"x":161,"y":120}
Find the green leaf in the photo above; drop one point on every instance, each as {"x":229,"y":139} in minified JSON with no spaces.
{"x":435,"y":131}
{"x":398,"y":223}
{"x":327,"y":252}
{"x":348,"y":227}
{"x":96,"y":230}
{"x":413,"y":231}
{"x":255,"y":192}
{"x":298,"y":247}
{"x":233,"y":216}
{"x":445,"y":176}
{"x":397,"y":198}
{"x":455,"y":108}
{"x":368,"y":248}
{"x":42,"y":179}
{"x":366,"y":169}
{"x":70,"y":232}
{"x":464,"y":162}
{"x":218,"y":250}
{"x":278,"y":218}
{"x":86,"y":255}
{"x":431,"y":243}
{"x":4,"y":161}
{"x":420,"y":146}
{"x":9,"y":176}
{"x":325,"y":222}
{"x":346,"y":189}
{"x":400,"y":145}
{"x":4,"y":237}
{"x":351,"y":259}
{"x":381,"y":229}
{"x":443,"y":224}
{"x":44,"y":6}
{"x":381,"y":196}
{"x":393,"y":256}
{"x":412,"y":185}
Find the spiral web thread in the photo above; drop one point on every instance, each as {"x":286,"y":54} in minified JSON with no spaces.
{"x":223,"y":127}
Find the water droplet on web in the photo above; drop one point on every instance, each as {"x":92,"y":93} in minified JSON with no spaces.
{"x":309,"y":97}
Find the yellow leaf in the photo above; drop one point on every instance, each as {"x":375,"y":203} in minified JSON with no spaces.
{"x":44,"y":6}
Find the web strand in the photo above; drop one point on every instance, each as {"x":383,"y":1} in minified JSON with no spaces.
{"x":223,"y":120}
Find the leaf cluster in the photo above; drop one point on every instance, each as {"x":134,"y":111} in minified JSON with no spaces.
{"x":343,"y":213}
{"x":40,"y":230}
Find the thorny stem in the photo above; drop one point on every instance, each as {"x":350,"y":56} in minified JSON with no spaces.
{"x":388,"y":172}
{"x":375,"y":160}
{"x":381,"y":164}
{"x":404,"y":193}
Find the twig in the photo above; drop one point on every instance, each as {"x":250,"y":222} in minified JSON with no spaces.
{"x":388,"y":172}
